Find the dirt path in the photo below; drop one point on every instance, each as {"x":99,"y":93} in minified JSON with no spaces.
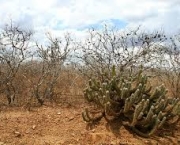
{"x":64,"y":126}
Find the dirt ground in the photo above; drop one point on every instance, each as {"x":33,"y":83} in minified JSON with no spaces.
{"x":63,"y":125}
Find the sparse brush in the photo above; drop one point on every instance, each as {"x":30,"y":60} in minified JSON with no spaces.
{"x":144,"y":108}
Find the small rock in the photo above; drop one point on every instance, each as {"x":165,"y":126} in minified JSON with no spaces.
{"x":73,"y":134}
{"x":93,"y":130}
{"x":27,"y":132}
{"x":113,"y":142}
{"x":77,"y":139}
{"x":123,"y":143}
{"x":71,"y":118}
{"x":59,"y":113}
{"x":147,"y":142}
{"x":33,"y":127}
{"x":17,"y":134}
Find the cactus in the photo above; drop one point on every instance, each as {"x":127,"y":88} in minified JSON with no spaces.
{"x":145,"y":108}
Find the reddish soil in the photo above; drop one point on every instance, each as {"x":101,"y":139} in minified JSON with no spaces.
{"x":62,"y":125}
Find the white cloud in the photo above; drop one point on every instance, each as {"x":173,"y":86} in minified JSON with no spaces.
{"x":61,"y":15}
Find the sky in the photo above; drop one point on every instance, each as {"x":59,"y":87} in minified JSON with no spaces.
{"x":76,"y":16}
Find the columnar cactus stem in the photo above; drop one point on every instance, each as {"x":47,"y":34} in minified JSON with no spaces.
{"x":133,"y":99}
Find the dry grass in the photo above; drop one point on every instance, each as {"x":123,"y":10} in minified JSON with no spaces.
{"x":70,"y":83}
{"x":59,"y":121}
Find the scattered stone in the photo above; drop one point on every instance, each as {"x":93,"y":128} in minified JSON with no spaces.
{"x":27,"y":132}
{"x":17,"y":134}
{"x":93,"y":130}
{"x":71,"y":118}
{"x":59,"y":113}
{"x":2,"y":143}
{"x":123,"y":143}
{"x":77,"y":139}
{"x":113,"y":142}
{"x":73,"y":134}
{"x":147,"y":142}
{"x":33,"y":127}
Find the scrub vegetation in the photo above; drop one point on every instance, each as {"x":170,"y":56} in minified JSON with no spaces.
{"x":114,"y":86}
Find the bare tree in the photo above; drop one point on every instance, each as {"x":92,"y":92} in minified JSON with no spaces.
{"x":14,"y":45}
{"x":168,"y":64}
{"x":48,"y":65}
{"x":125,"y":49}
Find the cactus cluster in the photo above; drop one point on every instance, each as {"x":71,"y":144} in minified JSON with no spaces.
{"x":145,"y":109}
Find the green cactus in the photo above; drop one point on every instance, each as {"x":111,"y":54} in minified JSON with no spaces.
{"x":145,"y":108}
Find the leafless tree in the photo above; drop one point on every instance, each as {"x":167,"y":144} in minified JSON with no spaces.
{"x":125,"y":49}
{"x":48,"y":65}
{"x":14,"y":49}
{"x":168,"y":64}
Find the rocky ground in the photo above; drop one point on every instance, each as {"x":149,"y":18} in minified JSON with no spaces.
{"x":63,"y":125}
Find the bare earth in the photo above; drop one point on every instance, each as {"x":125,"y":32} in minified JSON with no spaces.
{"x":62,"y":125}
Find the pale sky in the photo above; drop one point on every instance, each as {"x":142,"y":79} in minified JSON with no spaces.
{"x":59,"y":16}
